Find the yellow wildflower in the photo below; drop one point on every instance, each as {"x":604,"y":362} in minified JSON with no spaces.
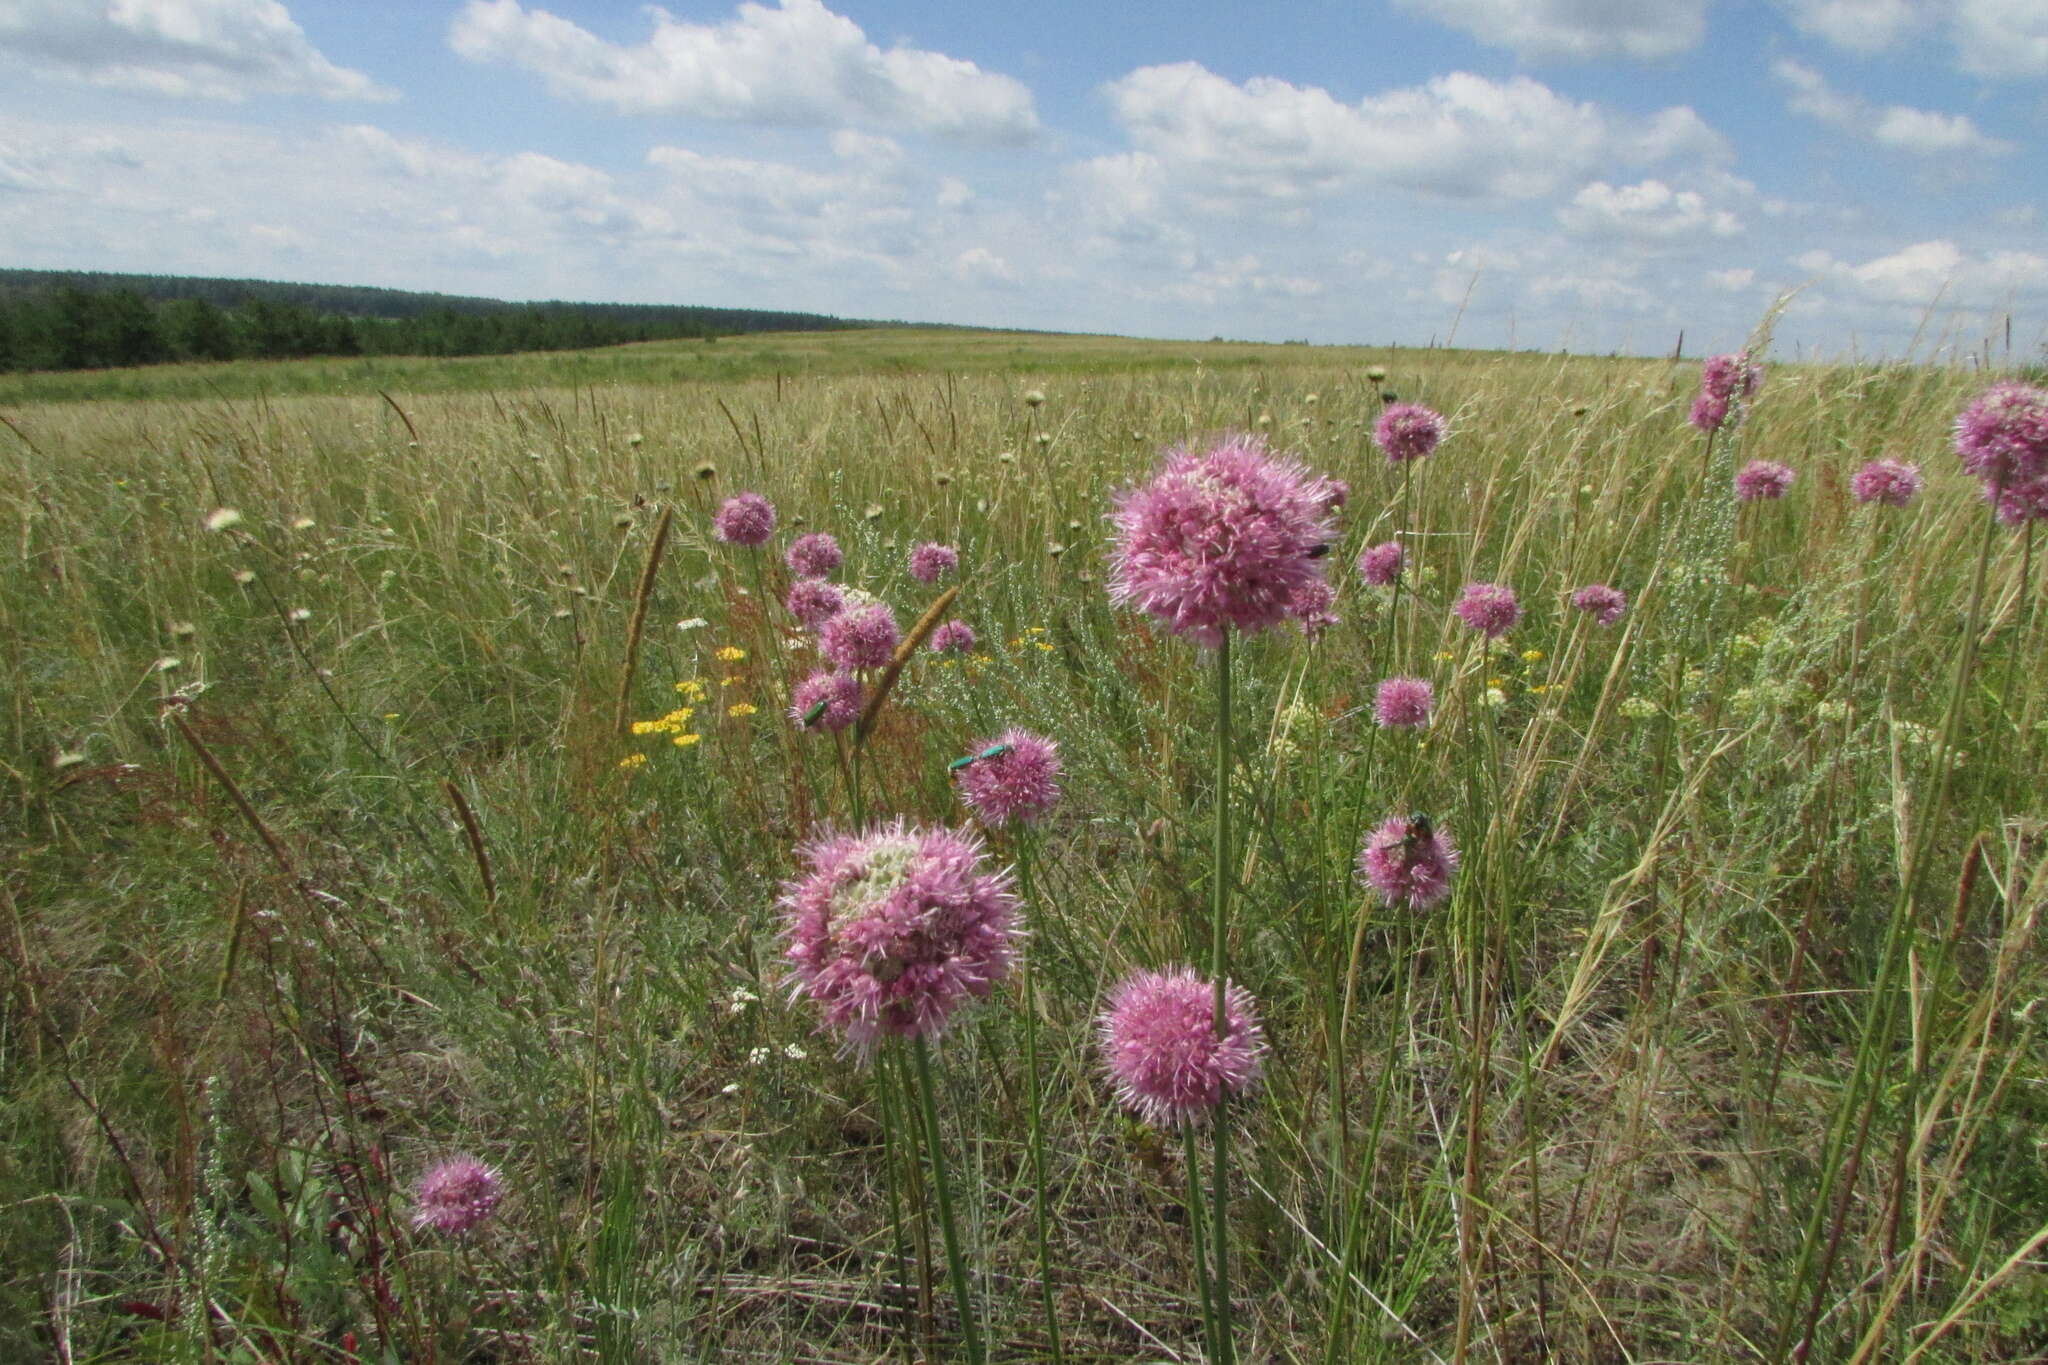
{"x":692,"y":688}
{"x":1532,"y":656}
{"x":729,"y":679}
{"x":685,"y":741}
{"x":730,"y":654}
{"x":1444,"y":656}
{"x":632,"y":760}
{"x":646,"y":727}
{"x":741,"y":708}
{"x":1045,"y":645}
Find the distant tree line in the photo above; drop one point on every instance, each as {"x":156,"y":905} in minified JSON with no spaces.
{"x":59,"y":321}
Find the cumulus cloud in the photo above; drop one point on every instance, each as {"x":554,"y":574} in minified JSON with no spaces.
{"x":1918,"y":275}
{"x":206,"y":49}
{"x":1459,"y":136}
{"x":1859,"y":25}
{"x":1650,"y":211}
{"x":1574,"y":30}
{"x":2002,"y":38}
{"x":796,"y":64}
{"x":1916,"y":132}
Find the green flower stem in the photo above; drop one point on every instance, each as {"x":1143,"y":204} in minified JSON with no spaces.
{"x":1225,"y":1347}
{"x":1037,"y":1118}
{"x":956,"y":1264}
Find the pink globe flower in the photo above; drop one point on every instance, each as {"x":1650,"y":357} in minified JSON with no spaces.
{"x":1162,"y":1052}
{"x":1408,"y":860}
{"x":1725,"y":380}
{"x":813,"y":601}
{"x":1403,"y":703}
{"x":1763,"y":481}
{"x":860,"y":637}
{"x":1311,"y":607}
{"x":745,"y":519}
{"x":1708,"y":412}
{"x":826,"y":701}
{"x":456,"y":1195}
{"x":2002,"y":436}
{"x":1015,"y":776}
{"x":813,"y":556}
{"x":1606,"y":605}
{"x":2022,"y":502}
{"x":1408,"y":431}
{"x":1489,"y":608}
{"x":932,"y":561}
{"x":1894,"y":483}
{"x":1221,"y":539}
{"x":892,"y":931}
{"x":954,"y":637}
{"x":1380,"y":565}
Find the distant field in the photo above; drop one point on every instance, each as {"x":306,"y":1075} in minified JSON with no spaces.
{"x":325,"y":856}
{"x":754,"y":356}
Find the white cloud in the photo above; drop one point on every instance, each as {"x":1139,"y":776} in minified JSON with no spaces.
{"x":1734,"y":280}
{"x":979,"y":263}
{"x":2006,"y":38}
{"x":209,"y":49}
{"x":1650,"y":211}
{"x":797,"y":64}
{"x":1575,"y":30}
{"x":1916,"y":132}
{"x":1918,"y":275}
{"x":1864,"y":26}
{"x":1459,"y":136}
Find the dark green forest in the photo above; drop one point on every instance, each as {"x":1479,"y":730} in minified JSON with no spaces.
{"x":75,"y":320}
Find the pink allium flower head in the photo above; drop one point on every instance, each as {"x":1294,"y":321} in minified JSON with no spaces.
{"x":1021,"y":782}
{"x":1408,"y":431}
{"x":1408,"y":860}
{"x":1221,"y":539}
{"x":2022,"y":502}
{"x":1708,"y":412}
{"x":813,"y":555}
{"x":954,"y":637}
{"x":841,"y":693}
{"x":1311,"y":607}
{"x":1891,"y":482}
{"x":1403,"y":702}
{"x":932,"y":561}
{"x":1762,"y":481}
{"x":892,"y":931}
{"x":1380,"y":565}
{"x":745,"y":519}
{"x":456,"y":1195}
{"x":1161,"y":1049}
{"x":1489,"y":608}
{"x":813,"y":601}
{"x":2002,"y":436}
{"x":860,"y":637}
{"x":1606,"y":604}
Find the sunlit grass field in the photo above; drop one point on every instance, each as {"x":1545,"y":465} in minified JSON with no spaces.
{"x":327,"y":856}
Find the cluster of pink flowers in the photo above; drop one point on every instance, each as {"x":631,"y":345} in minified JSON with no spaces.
{"x":1489,"y":608}
{"x":1408,"y":860}
{"x":2002,"y":438}
{"x":1013,"y":777}
{"x":1312,"y":607}
{"x":456,"y":1195}
{"x":746,"y":519}
{"x":953,"y":637}
{"x":813,"y":601}
{"x":1893,"y":483}
{"x":1606,"y":605}
{"x":842,"y":697}
{"x":1380,"y":565}
{"x":1403,"y":703}
{"x":1724,"y":381}
{"x":1221,"y":539}
{"x":1408,"y":431}
{"x":892,"y":931}
{"x":860,"y":637}
{"x":1763,"y":481}
{"x":813,"y":555}
{"x":932,"y":561}
{"x":1163,"y":1053}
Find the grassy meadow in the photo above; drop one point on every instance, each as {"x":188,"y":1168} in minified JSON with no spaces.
{"x":326,"y":856}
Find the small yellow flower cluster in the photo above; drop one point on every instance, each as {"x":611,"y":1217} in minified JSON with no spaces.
{"x":692,"y":689}
{"x":731,"y":680}
{"x":729,"y":654}
{"x":1532,"y":656}
{"x":670,"y":724}
{"x":631,"y":761}
{"x":741,"y":708}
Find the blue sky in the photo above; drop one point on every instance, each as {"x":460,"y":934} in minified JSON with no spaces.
{"x":1596,"y":174}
